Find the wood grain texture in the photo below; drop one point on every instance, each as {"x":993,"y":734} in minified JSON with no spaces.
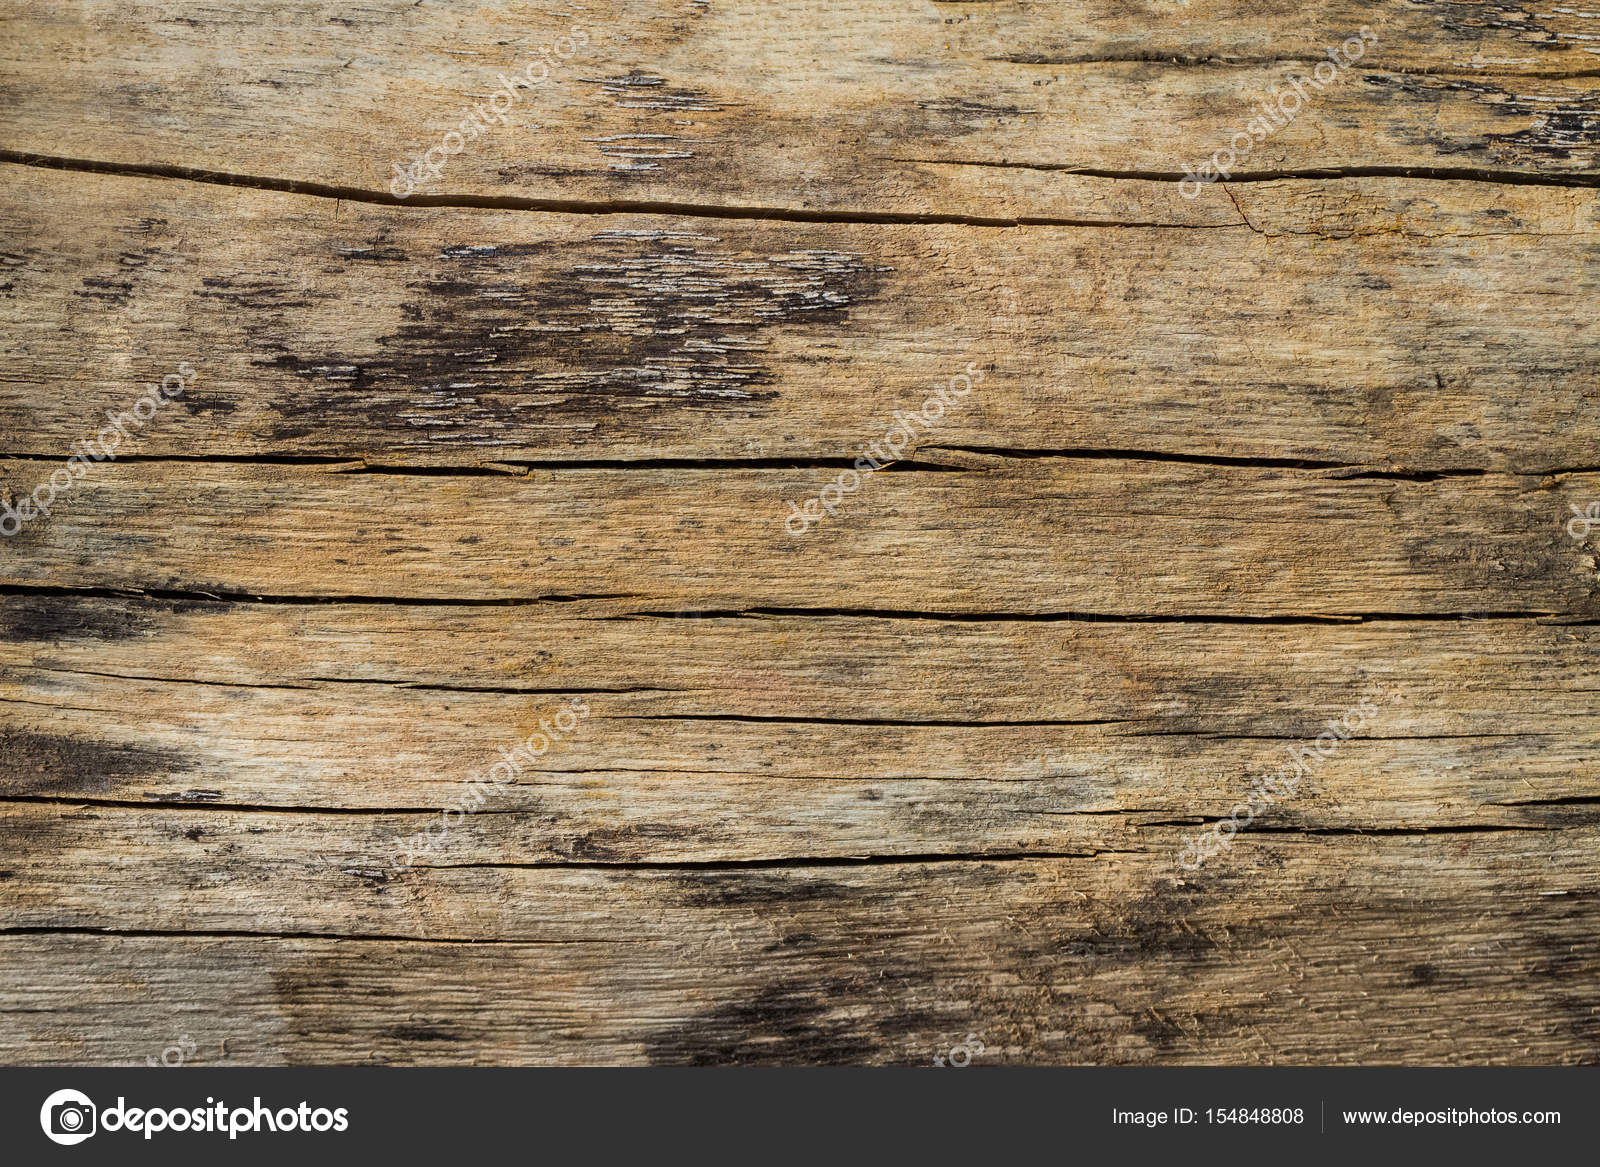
{"x":529,"y":436}
{"x":905,"y":106}
{"x":1037,"y":536}
{"x":1293,"y":958}
{"x":745,"y":738}
{"x":1380,"y":322}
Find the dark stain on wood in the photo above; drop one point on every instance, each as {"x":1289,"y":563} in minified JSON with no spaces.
{"x":198,"y":403}
{"x":11,"y":263}
{"x":631,"y":841}
{"x":1423,"y":974}
{"x":742,"y":889}
{"x":315,"y":992}
{"x":1525,"y":542}
{"x":109,"y":290}
{"x":410,"y":1033}
{"x":954,"y":116}
{"x":1563,"y":124}
{"x":667,"y":126}
{"x":1567,"y":953}
{"x":1467,"y":22}
{"x":499,"y":334}
{"x":51,"y":764}
{"x":49,"y":619}
{"x":1558,"y":815}
{"x":807,"y":1020}
{"x":257,"y":295}
{"x":1151,"y":928}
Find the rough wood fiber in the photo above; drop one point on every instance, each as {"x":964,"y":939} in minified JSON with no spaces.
{"x":1382,"y":322}
{"x":763,"y":737}
{"x":1038,"y":536}
{"x":1236,"y":462}
{"x":1475,"y":948}
{"x":906,"y":107}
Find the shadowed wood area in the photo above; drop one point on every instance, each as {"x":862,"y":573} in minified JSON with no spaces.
{"x":408,"y":654}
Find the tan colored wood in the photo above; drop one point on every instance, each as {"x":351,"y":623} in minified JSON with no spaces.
{"x":1038,"y":535}
{"x":757,"y":739}
{"x":903,"y":107}
{"x":1233,"y":678}
{"x":529,"y":436}
{"x":1424,"y":949}
{"x":1381,"y":322}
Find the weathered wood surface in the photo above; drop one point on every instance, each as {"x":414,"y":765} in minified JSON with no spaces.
{"x":785,"y":737}
{"x":529,"y":436}
{"x":1010,"y":869}
{"x":1041,"y":536}
{"x":905,"y":107}
{"x":1295,"y":956}
{"x":1381,"y":322}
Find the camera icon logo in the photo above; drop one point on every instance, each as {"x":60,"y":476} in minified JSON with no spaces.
{"x":67,"y":1117}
